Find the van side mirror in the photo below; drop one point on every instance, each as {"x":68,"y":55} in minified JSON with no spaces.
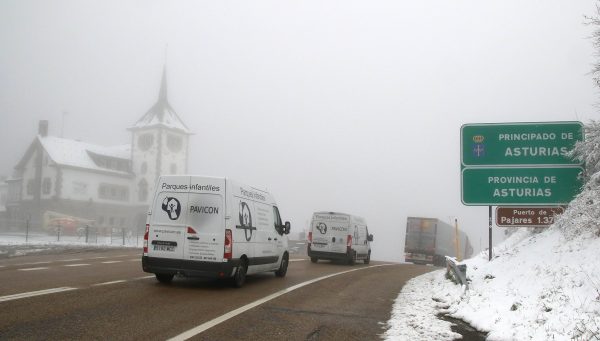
{"x":370,"y":237}
{"x":288,"y":226}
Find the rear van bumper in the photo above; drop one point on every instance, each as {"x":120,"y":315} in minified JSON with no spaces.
{"x":327,"y":255}
{"x":189,"y":268}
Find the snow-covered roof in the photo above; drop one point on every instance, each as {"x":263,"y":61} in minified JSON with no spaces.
{"x":80,"y":154}
{"x":162,"y":114}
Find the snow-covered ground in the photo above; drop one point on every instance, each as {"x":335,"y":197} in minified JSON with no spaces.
{"x":540,"y":285}
{"x":19,"y":244}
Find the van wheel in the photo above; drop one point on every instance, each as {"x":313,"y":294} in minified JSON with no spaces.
{"x":240,"y":274}
{"x":352,"y":258}
{"x":314,"y":259}
{"x":368,"y":259}
{"x":283,"y":266}
{"x":164,"y":278}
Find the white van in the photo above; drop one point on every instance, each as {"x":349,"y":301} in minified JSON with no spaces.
{"x":339,"y":236}
{"x":212,"y":227}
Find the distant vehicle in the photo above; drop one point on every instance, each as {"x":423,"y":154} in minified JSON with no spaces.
{"x":339,"y":236}
{"x":429,"y":240}
{"x":213,"y":228}
{"x":65,"y":224}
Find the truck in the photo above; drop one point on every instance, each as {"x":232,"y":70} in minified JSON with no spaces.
{"x":430,"y":240}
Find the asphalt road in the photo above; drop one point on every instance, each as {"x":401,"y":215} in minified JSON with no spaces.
{"x":104,"y":294}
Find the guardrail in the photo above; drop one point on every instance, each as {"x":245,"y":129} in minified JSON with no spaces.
{"x":457,"y":271}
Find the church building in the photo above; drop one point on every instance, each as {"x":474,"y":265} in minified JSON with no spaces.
{"x":111,"y":187}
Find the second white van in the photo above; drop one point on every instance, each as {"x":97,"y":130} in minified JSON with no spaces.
{"x":339,"y":236}
{"x":212,"y":227}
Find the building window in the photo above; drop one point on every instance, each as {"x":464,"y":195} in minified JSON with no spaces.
{"x":173,"y":168}
{"x":145,"y":141}
{"x":113,"y":192}
{"x":30,"y":186}
{"x":144,"y":168}
{"x":174,"y":142}
{"x":143,"y":190}
{"x":46,"y":185}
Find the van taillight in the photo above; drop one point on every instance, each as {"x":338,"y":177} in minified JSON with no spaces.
{"x":228,"y":244}
{"x":310,"y":237}
{"x":191,"y":230}
{"x":146,"y":239}
{"x":349,"y":241}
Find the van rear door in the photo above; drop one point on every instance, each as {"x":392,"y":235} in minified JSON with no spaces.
{"x":166,"y":234}
{"x":205,"y":234}
{"x":330,"y":232}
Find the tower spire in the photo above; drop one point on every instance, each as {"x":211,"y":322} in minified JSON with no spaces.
{"x":162,"y":95}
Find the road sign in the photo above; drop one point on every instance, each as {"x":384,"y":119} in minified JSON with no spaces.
{"x":519,"y":144}
{"x":520,"y":186}
{"x":535,"y":216}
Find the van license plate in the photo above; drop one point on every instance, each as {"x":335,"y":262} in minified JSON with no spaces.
{"x":164,"y":248}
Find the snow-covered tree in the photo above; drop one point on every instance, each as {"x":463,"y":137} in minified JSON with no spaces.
{"x":588,"y":150}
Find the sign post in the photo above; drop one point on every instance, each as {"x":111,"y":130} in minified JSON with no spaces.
{"x":519,"y":164}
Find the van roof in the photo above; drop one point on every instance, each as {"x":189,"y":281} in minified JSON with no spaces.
{"x":350,"y":216}
{"x":236,"y":188}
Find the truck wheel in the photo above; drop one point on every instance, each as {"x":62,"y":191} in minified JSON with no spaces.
{"x":283,"y":266}
{"x":314,"y":259}
{"x":368,"y":259}
{"x":164,"y":278}
{"x":240,"y":274}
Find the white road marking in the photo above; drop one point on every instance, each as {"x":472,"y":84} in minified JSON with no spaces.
{"x":112,"y":261}
{"x":108,"y":283}
{"x":34,"y":293}
{"x":79,"y":264}
{"x":34,"y":263}
{"x":297,"y":259}
{"x":207,"y":325}
{"x":70,"y":260}
{"x":135,"y":260}
{"x":32,"y":269}
{"x":144,"y":277}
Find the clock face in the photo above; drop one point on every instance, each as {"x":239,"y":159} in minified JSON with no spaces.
{"x":174,"y":143}
{"x":145,"y":141}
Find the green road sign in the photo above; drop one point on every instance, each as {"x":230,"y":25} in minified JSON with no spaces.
{"x":520,"y":186}
{"x":519,"y":144}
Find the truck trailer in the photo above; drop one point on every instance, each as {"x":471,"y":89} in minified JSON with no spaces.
{"x":429,"y":240}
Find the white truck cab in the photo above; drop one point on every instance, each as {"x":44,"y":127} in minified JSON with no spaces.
{"x":339,"y":236}
{"x":213,"y":227}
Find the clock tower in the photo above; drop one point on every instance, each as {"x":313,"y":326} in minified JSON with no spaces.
{"x":159,"y":146}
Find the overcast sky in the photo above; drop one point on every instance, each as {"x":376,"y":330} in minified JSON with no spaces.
{"x":352,"y":106}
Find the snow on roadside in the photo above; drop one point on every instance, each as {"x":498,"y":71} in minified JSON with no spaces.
{"x":539,"y":286}
{"x":413,"y":315}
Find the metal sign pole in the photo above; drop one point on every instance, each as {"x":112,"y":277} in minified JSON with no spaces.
{"x":490,"y":232}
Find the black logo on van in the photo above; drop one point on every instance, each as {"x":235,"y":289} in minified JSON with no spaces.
{"x":172,"y":207}
{"x":245,"y":220}
{"x":322,"y":228}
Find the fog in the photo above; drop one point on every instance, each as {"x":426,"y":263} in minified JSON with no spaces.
{"x":351,"y":106}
